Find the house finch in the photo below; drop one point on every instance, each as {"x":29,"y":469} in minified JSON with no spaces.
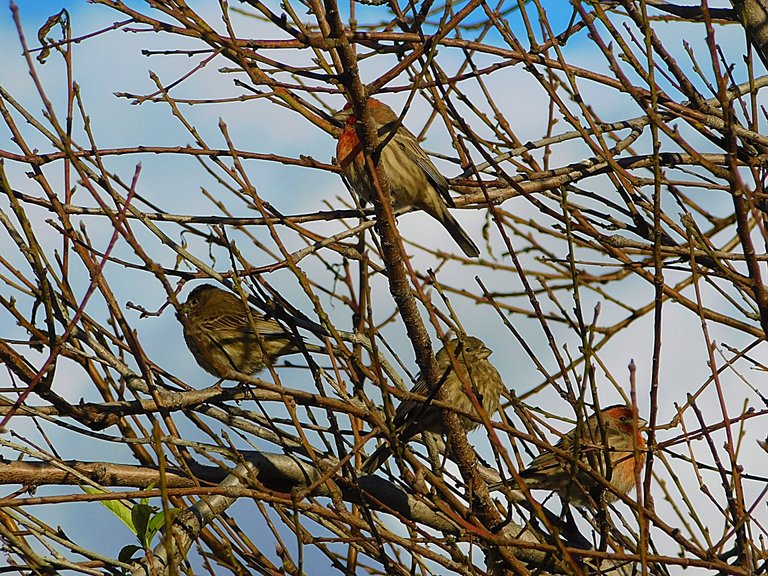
{"x":220,"y":333}
{"x":551,"y":472}
{"x":413,"y":179}
{"x":413,"y":417}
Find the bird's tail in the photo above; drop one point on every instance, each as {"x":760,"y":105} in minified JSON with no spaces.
{"x":456,"y":231}
{"x":376,"y":459}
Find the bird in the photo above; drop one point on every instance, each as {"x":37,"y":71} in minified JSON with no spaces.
{"x":413,"y":416}
{"x":549,"y":471}
{"x":414,"y":181}
{"x":219,"y":331}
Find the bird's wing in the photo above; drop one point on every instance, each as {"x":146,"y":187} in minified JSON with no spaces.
{"x":438,"y":181}
{"x":545,"y":464}
{"x":407,"y":407}
{"x":413,"y":409}
{"x":239,"y":323}
{"x":547,"y":461}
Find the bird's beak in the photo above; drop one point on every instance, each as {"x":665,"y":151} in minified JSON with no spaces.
{"x":642,"y":424}
{"x":485,"y":352}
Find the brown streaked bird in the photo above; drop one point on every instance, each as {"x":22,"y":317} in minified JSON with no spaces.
{"x":221,"y":337}
{"x":413,"y":417}
{"x":413,"y":178}
{"x":551,"y":472}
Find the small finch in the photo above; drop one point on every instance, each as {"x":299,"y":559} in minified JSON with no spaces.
{"x":413,"y":417}
{"x":413,"y":178}
{"x":551,"y":472}
{"x":221,"y":337}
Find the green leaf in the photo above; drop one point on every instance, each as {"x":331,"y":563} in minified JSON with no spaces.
{"x":146,"y":500}
{"x":157,"y":522}
{"x":140,"y":514}
{"x":117,"y":507}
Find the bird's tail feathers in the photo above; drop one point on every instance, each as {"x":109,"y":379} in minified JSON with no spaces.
{"x":457,"y":232}
{"x":376,"y":459}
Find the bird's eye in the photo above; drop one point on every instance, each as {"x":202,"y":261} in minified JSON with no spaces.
{"x":468,"y":349}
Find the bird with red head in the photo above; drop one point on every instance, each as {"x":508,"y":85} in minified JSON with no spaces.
{"x":413,"y":178}
{"x":617,"y":437}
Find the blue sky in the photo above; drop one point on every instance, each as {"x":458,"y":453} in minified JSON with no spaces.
{"x":114,"y":63}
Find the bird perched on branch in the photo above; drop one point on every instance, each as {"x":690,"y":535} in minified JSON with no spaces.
{"x":224,"y":334}
{"x":413,"y":178}
{"x":618,"y":438}
{"x":413,"y":417}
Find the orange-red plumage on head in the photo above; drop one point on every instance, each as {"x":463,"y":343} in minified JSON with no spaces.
{"x":623,"y":416}
{"x":413,"y":178}
{"x":373,"y":104}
